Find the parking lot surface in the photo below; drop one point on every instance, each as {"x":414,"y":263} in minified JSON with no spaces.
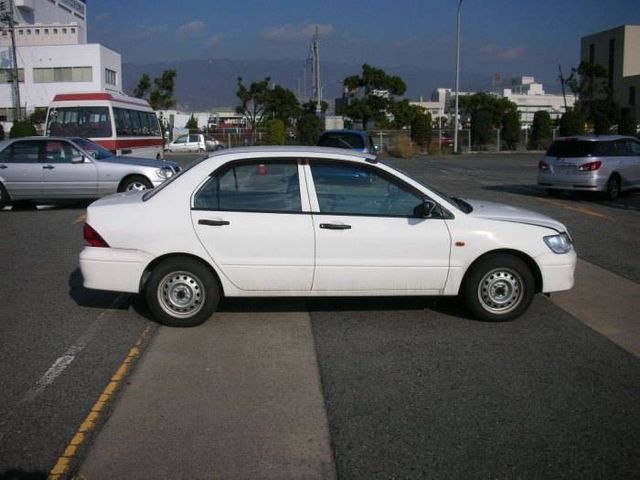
{"x":402,"y":388}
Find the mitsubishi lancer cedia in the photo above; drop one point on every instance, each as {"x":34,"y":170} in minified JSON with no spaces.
{"x":308,"y":221}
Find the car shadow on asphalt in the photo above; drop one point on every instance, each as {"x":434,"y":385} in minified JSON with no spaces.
{"x":627,"y":201}
{"x":451,"y":306}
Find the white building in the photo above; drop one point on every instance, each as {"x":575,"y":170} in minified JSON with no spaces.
{"x":530,"y":98}
{"x":53,"y":56}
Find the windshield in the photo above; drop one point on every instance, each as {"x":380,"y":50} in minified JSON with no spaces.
{"x":458,"y":202}
{"x":89,"y":122}
{"x":97,"y":151}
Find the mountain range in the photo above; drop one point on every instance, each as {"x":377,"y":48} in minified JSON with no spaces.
{"x":202,"y":85}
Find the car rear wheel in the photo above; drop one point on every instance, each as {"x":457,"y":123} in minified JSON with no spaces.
{"x":4,"y":197}
{"x":498,"y":288}
{"x":613,"y":187}
{"x":182,"y":292}
{"x":135,"y":183}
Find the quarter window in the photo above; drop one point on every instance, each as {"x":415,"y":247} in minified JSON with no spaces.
{"x":256,"y":186}
{"x":352,"y":189}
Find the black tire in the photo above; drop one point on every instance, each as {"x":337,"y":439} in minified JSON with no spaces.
{"x":4,"y":197}
{"x":613,"y":187}
{"x":135,"y":183}
{"x":182,"y":292}
{"x":498,"y":288}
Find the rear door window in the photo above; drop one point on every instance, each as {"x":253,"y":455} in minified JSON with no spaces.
{"x":24,"y":152}
{"x":255,"y":186}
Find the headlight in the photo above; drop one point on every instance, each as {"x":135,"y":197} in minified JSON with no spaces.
{"x":164,"y":172}
{"x":560,"y":243}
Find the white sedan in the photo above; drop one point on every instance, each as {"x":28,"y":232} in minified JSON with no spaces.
{"x":306,"y":221}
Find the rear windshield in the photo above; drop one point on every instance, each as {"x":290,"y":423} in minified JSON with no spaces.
{"x":580,"y":148}
{"x":341,"y":140}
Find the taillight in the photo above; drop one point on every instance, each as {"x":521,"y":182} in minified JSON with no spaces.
{"x":542,"y":165}
{"x":93,"y":238}
{"x":590,"y":167}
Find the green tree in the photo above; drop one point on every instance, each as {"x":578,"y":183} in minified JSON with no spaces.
{"x":276,"y":131}
{"x":281,"y":103}
{"x":159,"y":94}
{"x":481,"y":128}
{"x":22,"y":129}
{"x":496,"y":107}
{"x":404,"y":113}
{"x":310,"y":107}
{"x":541,"y":130}
{"x":511,"y":129}
{"x":253,"y":101}
{"x":589,"y":82}
{"x":38,"y":116}
{"x":371,"y":94}
{"x":421,"y":129}
{"x":192,"y":123}
{"x":571,"y":123}
{"x":308,"y":129}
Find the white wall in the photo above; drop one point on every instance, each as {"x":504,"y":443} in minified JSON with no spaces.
{"x":40,"y":94}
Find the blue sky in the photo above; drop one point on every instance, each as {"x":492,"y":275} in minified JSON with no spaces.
{"x":517,"y":37}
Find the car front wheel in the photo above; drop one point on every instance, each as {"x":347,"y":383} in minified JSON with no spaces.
{"x":135,"y":183}
{"x":182,"y":292}
{"x":498,"y":288}
{"x":4,"y":197}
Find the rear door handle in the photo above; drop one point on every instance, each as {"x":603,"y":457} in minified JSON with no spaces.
{"x":214,"y":223}
{"x":48,"y":167}
{"x":335,"y":226}
{"x":2,"y":167}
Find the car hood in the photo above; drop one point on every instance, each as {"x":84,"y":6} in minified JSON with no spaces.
{"x":140,"y":162}
{"x":507,"y":213}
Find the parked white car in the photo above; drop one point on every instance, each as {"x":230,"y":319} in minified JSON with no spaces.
{"x":194,"y":142}
{"x":308,"y":221}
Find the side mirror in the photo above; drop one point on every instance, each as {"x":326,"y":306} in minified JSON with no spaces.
{"x":425,"y":209}
{"x":78,"y":159}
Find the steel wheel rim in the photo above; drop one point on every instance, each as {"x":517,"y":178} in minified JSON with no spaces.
{"x":501,"y":290}
{"x":181,"y":294}
{"x":136,"y":187}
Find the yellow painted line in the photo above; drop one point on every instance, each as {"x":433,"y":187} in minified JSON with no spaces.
{"x":583,"y":210}
{"x":62,"y":465}
{"x":80,"y":219}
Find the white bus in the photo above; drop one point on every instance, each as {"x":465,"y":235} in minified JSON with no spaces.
{"x":125,"y":125}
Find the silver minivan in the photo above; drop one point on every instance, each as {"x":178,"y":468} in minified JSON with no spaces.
{"x":604,"y":163}
{"x":47,"y":169}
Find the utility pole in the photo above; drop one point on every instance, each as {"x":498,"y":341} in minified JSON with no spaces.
{"x":562,"y":81}
{"x":315,"y":65}
{"x":6,"y":18}
{"x":455,"y":119}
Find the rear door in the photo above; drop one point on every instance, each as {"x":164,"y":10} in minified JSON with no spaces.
{"x":194,"y":143}
{"x":256,"y":226}
{"x":21,"y":170}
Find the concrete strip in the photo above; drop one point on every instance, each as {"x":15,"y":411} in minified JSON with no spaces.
{"x":238,"y":397}
{"x":605,"y":302}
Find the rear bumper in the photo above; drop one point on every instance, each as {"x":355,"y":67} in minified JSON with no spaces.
{"x":113,"y":269}
{"x":557,"y":271}
{"x":587,"y":181}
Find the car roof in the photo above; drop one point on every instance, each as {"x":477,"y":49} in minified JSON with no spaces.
{"x":595,"y":138}
{"x":293,"y":150}
{"x":344,"y":130}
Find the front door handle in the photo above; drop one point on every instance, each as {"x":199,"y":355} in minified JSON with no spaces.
{"x":2,"y":167}
{"x":48,"y":167}
{"x":335,"y":226}
{"x":213,"y":223}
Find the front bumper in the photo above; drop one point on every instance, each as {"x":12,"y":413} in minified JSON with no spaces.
{"x":113,"y":269}
{"x":557,"y":271}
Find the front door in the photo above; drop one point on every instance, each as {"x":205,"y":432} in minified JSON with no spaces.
{"x":66,"y":173}
{"x":370,"y":236}
{"x":251,"y":219}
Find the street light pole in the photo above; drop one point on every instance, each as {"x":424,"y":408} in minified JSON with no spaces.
{"x":455,"y":118}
